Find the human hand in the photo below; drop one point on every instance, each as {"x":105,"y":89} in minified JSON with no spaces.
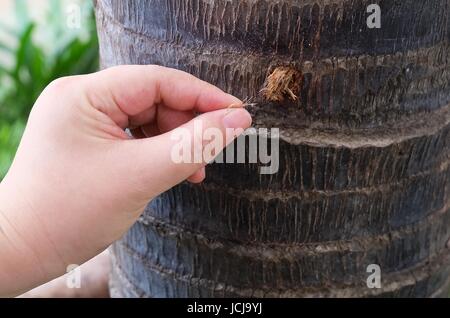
{"x":79,"y":182}
{"x":93,"y":282}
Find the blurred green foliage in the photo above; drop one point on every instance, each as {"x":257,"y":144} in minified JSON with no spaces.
{"x":28,"y":65}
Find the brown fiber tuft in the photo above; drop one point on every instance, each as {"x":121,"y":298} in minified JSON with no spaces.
{"x":284,"y":82}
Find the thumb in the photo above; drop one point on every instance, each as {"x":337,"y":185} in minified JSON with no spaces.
{"x":163,"y":161}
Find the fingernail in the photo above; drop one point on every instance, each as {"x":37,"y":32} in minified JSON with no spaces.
{"x":237,"y":118}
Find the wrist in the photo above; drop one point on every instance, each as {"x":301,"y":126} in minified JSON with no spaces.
{"x":23,"y":256}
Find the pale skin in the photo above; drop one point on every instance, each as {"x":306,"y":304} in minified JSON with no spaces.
{"x":79,"y":181}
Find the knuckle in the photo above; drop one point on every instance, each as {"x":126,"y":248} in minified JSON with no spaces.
{"x":58,"y":90}
{"x":60,"y":85}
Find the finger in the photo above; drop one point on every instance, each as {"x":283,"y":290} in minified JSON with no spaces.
{"x":159,"y":158}
{"x":124,"y":91}
{"x":198,"y":176}
{"x":169,"y":119}
{"x":145,"y":117}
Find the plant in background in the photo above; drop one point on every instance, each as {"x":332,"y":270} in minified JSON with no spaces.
{"x":33,"y":55}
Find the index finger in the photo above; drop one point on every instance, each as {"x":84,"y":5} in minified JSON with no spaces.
{"x":131,"y":89}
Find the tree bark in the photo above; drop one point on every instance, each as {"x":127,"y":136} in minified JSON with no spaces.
{"x":364,"y":152}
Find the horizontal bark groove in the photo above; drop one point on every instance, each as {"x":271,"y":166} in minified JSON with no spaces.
{"x":286,"y":265}
{"x":332,"y":218}
{"x":314,"y":134}
{"x":363,"y":91}
{"x":315,"y":195}
{"x":306,"y":167}
{"x":297,"y":29}
{"x":257,"y":248}
{"x":420,"y":281}
{"x":122,"y":288}
{"x":354,"y":244}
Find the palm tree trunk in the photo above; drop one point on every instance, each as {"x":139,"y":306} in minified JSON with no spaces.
{"x":364,"y":152}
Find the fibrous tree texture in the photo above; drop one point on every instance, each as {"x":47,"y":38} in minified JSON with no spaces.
{"x":364,"y":177}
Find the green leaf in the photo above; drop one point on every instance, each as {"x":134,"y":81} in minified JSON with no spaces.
{"x":24,"y":42}
{"x":76,"y":56}
{"x":35,"y":64}
{"x":10,"y":135}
